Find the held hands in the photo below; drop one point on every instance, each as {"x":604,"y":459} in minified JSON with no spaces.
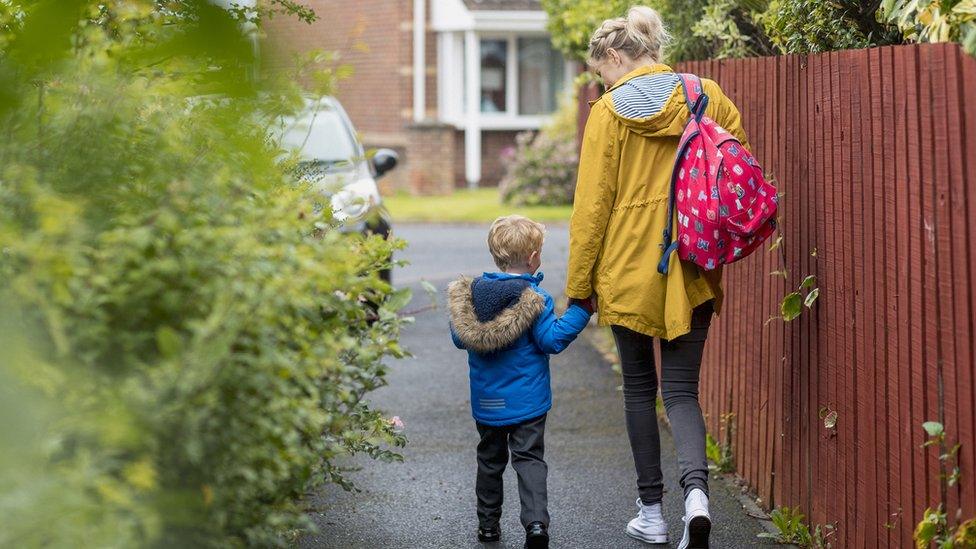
{"x":589,"y":304}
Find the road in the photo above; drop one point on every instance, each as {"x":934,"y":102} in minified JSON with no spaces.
{"x":428,"y":500}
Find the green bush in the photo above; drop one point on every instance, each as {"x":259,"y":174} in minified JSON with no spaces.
{"x":541,"y":170}
{"x":185,"y":338}
{"x":711,"y":29}
{"x":933,"y":20}
{"x":572,"y":22}
{"x":812,"y":26}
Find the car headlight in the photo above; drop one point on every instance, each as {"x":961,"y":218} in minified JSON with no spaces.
{"x":355,"y":200}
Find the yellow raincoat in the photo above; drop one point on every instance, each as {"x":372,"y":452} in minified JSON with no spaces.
{"x":621,"y":205}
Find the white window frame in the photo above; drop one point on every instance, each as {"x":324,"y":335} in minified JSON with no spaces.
{"x":451,"y":82}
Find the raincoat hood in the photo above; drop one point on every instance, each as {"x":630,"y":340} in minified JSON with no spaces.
{"x":644,"y":100}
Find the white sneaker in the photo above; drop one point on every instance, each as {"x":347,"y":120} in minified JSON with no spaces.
{"x":649,"y":526}
{"x":698,"y":523}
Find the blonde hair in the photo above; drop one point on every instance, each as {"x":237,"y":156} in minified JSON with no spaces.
{"x":638,"y":34}
{"x":513,"y":238}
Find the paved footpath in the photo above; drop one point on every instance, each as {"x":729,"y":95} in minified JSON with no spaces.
{"x":428,"y":500}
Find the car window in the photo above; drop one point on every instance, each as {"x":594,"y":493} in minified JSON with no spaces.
{"x":320,"y":135}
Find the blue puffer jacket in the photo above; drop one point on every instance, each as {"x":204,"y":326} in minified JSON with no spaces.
{"x":507,"y":324}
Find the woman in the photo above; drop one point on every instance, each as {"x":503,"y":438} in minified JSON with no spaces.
{"x":619,"y":214}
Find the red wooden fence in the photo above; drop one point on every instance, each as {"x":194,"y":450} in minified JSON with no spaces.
{"x":875,"y":153}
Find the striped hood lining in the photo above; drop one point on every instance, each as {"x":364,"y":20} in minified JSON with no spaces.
{"x":644,"y":96}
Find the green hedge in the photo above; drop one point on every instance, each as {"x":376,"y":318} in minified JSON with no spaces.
{"x":185,"y":339}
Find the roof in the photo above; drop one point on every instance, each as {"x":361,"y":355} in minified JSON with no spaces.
{"x":528,"y":5}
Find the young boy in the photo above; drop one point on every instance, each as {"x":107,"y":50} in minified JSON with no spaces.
{"x":506,"y":323}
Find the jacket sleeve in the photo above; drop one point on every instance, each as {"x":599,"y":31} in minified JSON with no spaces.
{"x":596,"y":189}
{"x":553,"y":334}
{"x":722,"y":110}
{"x":454,"y":337}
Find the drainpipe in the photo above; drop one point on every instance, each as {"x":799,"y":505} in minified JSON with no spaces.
{"x":419,"y":65}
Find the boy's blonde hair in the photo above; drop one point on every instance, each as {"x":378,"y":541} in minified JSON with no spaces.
{"x":513,"y":238}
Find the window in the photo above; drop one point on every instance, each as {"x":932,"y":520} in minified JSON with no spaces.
{"x":521,"y":78}
{"x":540,"y":76}
{"x":494,"y":65}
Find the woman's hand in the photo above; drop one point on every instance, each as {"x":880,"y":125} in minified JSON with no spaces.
{"x":588,"y":304}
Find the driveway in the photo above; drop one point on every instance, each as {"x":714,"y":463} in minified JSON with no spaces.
{"x":428,"y":500}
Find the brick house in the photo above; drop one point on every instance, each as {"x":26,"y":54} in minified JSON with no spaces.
{"x":447,"y":83}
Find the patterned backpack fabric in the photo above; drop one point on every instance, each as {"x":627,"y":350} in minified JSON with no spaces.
{"x":725,"y":207}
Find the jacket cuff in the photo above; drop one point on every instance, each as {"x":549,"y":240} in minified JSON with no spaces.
{"x":578,"y":293}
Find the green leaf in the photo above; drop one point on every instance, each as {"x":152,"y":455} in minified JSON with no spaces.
{"x":398,"y":299}
{"x":791,"y":306}
{"x":808,"y":282}
{"x":933,"y":428}
{"x":428,"y":287}
{"x":168,"y":341}
{"x":811,"y":297}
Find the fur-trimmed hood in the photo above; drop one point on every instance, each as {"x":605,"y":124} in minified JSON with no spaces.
{"x":491,"y":312}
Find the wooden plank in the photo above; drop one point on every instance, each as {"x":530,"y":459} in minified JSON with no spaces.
{"x":816,"y":149}
{"x":846,"y":405}
{"x":873,"y":283}
{"x":916,"y":266}
{"x":800,"y":386}
{"x":767,"y":67}
{"x":866,"y":280}
{"x":767,"y":87}
{"x":967,"y":372}
{"x":946,"y":387}
{"x":930,"y":266}
{"x":784,"y":470}
{"x":903,"y":66}
{"x":751,"y":418}
{"x":888,"y":189}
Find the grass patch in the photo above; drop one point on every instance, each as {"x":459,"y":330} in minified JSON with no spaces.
{"x":466,"y":206}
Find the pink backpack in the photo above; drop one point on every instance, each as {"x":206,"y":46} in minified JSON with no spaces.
{"x":726,"y":208}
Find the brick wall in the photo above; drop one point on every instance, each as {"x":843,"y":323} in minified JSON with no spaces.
{"x":375,"y":37}
{"x":493,"y":143}
{"x":431,"y":154}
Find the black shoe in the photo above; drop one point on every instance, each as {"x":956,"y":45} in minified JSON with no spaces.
{"x":489,"y":534}
{"x":536,"y":536}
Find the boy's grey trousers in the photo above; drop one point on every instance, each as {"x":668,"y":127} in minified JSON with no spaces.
{"x":680,"y":366}
{"x":525,"y":441}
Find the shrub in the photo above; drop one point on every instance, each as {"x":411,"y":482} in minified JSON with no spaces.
{"x":185,"y":338}
{"x":933,"y":20}
{"x":542,"y":169}
{"x":812,"y":26}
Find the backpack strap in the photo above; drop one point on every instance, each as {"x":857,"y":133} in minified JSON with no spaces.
{"x":695,"y":96}
{"x":697,"y":101}
{"x":669,"y":244}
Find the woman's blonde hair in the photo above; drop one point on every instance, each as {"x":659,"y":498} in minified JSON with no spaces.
{"x":638,"y":34}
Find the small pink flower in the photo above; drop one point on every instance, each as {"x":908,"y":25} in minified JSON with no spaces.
{"x":396,"y":422}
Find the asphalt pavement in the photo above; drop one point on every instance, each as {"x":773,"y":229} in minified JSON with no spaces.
{"x":428,"y":500}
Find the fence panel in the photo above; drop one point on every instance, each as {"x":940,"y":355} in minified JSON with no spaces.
{"x":875,"y":152}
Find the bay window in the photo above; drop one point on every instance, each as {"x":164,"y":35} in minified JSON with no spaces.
{"x":519,"y":79}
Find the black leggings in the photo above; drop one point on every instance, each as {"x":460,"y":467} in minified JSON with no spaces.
{"x":681,"y":364}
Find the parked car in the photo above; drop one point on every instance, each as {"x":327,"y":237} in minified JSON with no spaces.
{"x":334,"y":160}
